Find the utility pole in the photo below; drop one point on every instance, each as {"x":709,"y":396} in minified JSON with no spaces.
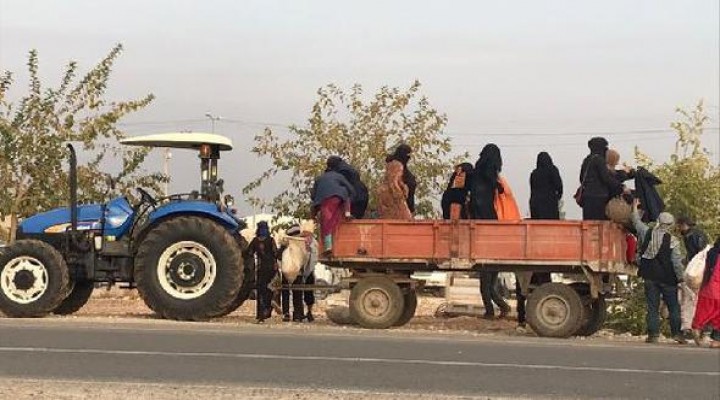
{"x":212,"y":119}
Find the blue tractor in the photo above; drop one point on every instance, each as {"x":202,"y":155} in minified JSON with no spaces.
{"x":182,"y":252}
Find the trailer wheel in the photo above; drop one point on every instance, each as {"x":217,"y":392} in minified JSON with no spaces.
{"x":594,"y":313}
{"x":34,"y":279}
{"x":78,"y":297}
{"x":189,"y":268}
{"x":376,"y":303}
{"x":554,"y":310}
{"x":410,"y":299}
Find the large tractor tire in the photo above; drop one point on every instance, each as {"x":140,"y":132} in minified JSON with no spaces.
{"x":78,"y":297}
{"x":555,"y":310}
{"x":34,"y":279}
{"x":409,"y":308}
{"x":376,"y":303}
{"x":189,"y":268}
{"x":246,"y":293}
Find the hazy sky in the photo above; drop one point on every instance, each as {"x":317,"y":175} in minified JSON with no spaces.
{"x":527,"y":75}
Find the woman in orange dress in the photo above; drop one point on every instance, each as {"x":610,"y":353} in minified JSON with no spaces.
{"x":392,"y":193}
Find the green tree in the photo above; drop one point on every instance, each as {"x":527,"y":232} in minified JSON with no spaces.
{"x":362,"y":131}
{"x":35,"y":129}
{"x":691,"y":183}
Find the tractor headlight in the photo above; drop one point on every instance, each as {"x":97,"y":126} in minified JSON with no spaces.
{"x":229,"y":200}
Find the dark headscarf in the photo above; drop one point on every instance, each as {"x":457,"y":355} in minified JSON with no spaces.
{"x":544,"y":161}
{"x":402,"y":154}
{"x":263,"y":230}
{"x":333,"y":163}
{"x":489,"y":164}
{"x":598,"y":145}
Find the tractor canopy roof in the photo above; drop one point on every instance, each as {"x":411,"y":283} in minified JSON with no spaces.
{"x":192,"y":140}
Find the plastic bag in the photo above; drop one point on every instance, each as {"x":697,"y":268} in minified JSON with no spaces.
{"x":294,"y":258}
{"x":695,"y":269}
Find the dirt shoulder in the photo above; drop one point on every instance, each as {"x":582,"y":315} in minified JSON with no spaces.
{"x":91,"y":390}
{"x":122,"y":305}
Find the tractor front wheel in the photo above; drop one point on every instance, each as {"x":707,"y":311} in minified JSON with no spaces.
{"x":189,"y":268}
{"x":34,"y":279}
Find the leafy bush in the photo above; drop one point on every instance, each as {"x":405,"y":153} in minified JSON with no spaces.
{"x":628,"y":314}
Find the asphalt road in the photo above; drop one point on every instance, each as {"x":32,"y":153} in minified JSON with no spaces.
{"x":375,"y":361}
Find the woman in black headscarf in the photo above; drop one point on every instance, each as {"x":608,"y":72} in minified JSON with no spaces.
{"x":483,"y":188}
{"x":484,"y":183}
{"x":546,"y":189}
{"x":402,"y":154}
{"x":264,"y":249}
{"x":598,"y":183}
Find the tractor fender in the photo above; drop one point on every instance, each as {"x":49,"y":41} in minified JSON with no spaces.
{"x":196,"y":208}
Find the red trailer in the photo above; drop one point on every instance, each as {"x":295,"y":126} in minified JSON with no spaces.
{"x":382,"y":254}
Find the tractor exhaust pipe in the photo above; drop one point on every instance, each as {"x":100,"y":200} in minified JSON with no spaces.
{"x":73,"y":189}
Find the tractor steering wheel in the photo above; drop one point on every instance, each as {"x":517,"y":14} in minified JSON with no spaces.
{"x":146,"y":197}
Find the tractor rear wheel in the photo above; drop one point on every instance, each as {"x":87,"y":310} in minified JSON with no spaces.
{"x":246,"y":292}
{"x":34,"y":279}
{"x":189,"y":268}
{"x":78,"y":297}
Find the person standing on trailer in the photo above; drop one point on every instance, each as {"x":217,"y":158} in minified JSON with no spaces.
{"x":598,"y":184}
{"x":359,"y":202}
{"x":392,"y":193}
{"x":546,"y":189}
{"x":402,"y":155}
{"x":484,"y":187}
{"x":454,"y":201}
{"x":331,"y":195}
{"x":264,"y":249}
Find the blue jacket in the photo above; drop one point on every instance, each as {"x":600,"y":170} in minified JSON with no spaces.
{"x":331,"y":184}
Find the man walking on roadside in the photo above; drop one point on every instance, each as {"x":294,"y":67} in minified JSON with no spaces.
{"x":661,"y":268}
{"x":695,"y":241}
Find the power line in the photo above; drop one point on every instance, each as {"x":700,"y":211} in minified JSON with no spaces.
{"x":166,"y":122}
{"x":562,"y":144}
{"x":483,"y":132}
{"x":609,"y":132}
